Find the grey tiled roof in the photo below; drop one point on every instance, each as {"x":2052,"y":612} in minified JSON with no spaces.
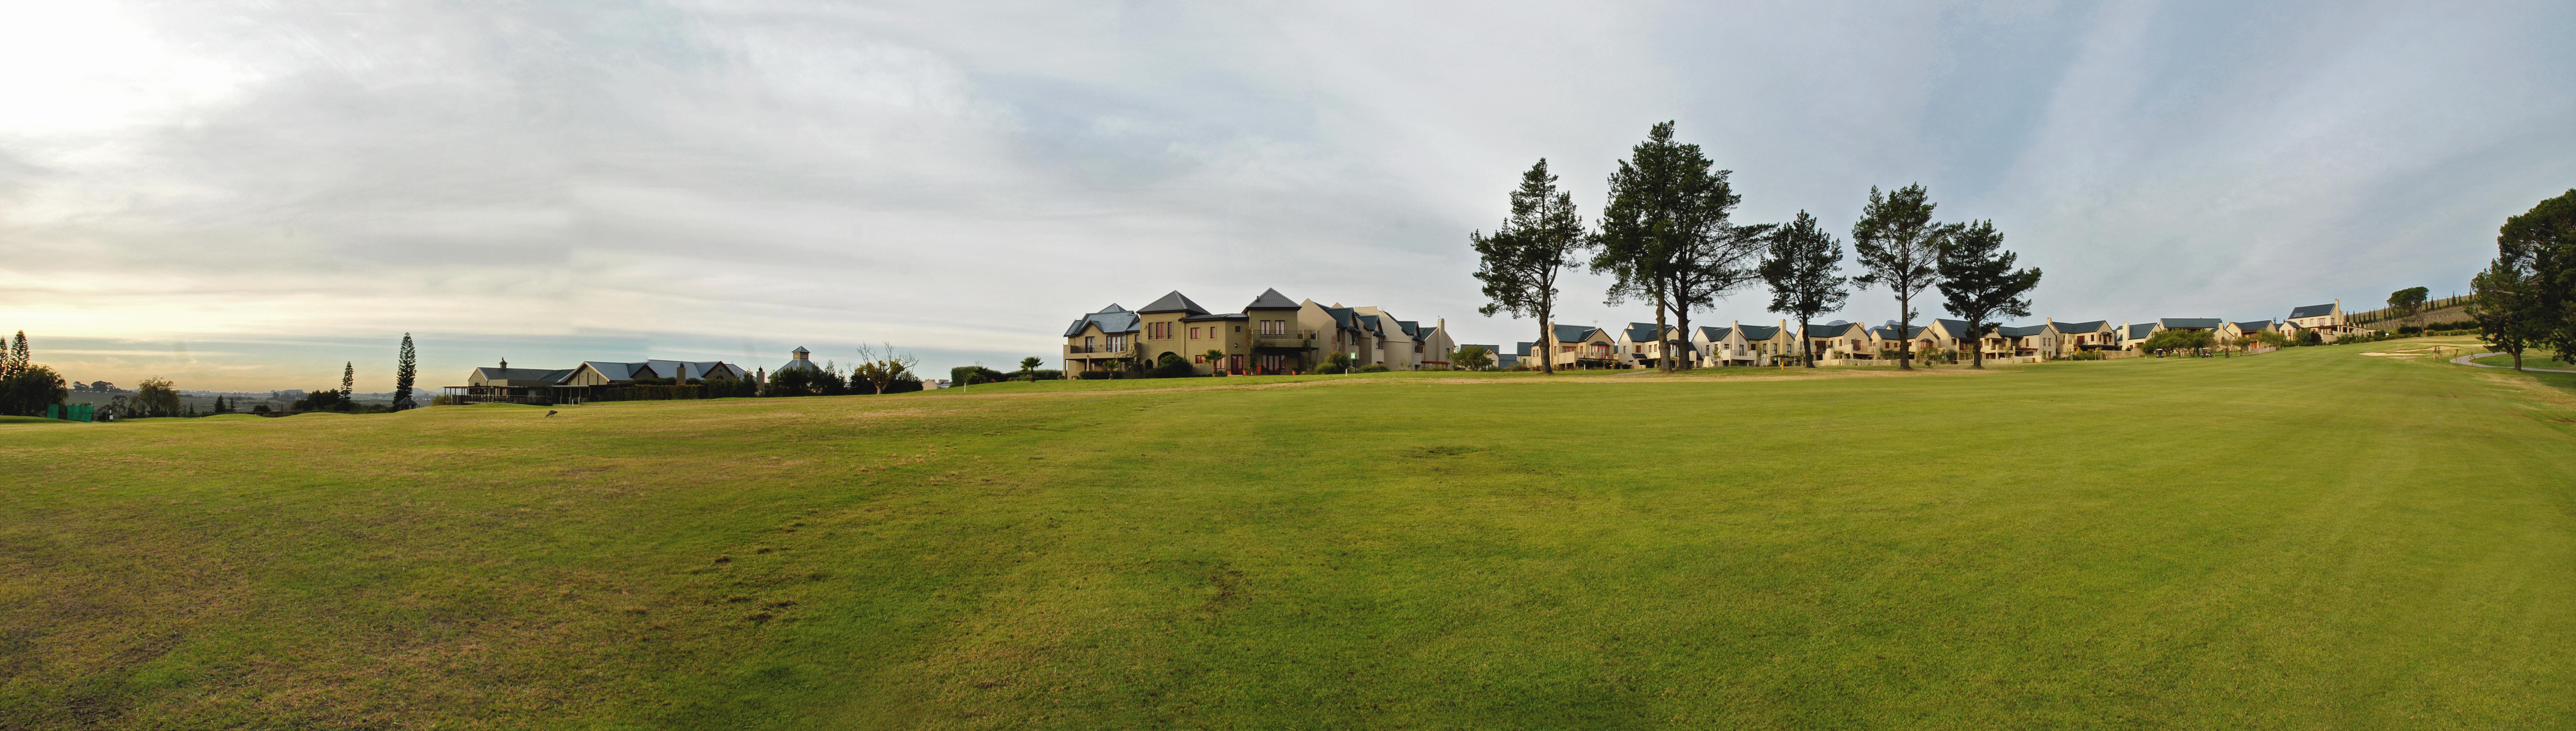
{"x":549,"y":375}
{"x":2084,"y":327}
{"x":1572,"y":333}
{"x":1714,"y":334}
{"x":1173,"y":302}
{"x":1831,"y":331}
{"x":1760,"y":332}
{"x":1522,"y":349}
{"x":2020,"y":331}
{"x":2312,"y":311}
{"x":1271,"y":299}
{"x":1641,"y":332}
{"x":1112,"y":320}
{"x":2255,"y":325}
{"x":1884,"y":332}
{"x":2185,"y":323}
{"x":2140,"y":330}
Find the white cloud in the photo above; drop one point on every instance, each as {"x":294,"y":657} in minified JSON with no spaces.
{"x":966,"y":177}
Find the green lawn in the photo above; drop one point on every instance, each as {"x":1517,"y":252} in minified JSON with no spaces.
{"x":2309,"y":539}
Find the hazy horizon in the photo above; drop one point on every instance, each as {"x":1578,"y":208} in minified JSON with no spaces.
{"x":244,"y":196}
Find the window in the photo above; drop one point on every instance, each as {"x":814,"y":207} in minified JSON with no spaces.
{"x":1238,"y":328}
{"x":1194,"y":333}
{"x":1086,"y":341}
{"x":1117,"y":343}
{"x":1158,"y":331}
{"x":1200,"y":358}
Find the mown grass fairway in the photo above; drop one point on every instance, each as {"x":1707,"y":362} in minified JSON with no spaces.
{"x":2307,"y":539}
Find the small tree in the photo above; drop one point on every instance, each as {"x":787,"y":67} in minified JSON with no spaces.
{"x":2407,"y":303}
{"x":348,"y":380}
{"x":880,"y":370}
{"x":1471,"y":358}
{"x":1804,"y":269}
{"x":1215,"y":359}
{"x":406,"y":372}
{"x":1029,"y":365}
{"x":1900,"y":245}
{"x":1519,"y":263}
{"x":1980,"y":285}
{"x":156,"y":397}
{"x":2506,"y":305}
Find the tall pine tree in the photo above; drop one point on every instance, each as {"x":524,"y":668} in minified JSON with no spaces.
{"x":1804,"y":269}
{"x":1900,"y":245}
{"x":1518,"y":264}
{"x":406,"y":372}
{"x":348,"y":379}
{"x":1979,"y":283}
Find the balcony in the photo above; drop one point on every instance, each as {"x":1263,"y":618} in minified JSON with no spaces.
{"x":1071,"y":350}
{"x":1293,"y":339}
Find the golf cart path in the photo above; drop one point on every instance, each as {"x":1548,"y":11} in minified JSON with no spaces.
{"x":2466,"y":360}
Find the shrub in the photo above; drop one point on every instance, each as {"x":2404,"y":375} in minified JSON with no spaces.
{"x":31,"y":390}
{"x":971,"y":375}
{"x":1042,"y":375}
{"x":1096,"y":375}
{"x":1173,"y":366}
{"x":1374,"y":368}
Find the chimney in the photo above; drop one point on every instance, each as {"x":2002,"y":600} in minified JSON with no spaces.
{"x":505,"y":362}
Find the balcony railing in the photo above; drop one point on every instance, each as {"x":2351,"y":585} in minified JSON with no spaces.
{"x":1290,"y":339}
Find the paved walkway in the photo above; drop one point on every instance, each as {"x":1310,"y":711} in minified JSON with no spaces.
{"x":2470,"y":360}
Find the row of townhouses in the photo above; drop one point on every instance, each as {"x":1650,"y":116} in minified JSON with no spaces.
{"x":544,"y":386}
{"x":1271,"y":335}
{"x":1842,"y":343}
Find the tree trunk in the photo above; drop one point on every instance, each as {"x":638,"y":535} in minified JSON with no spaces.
{"x":1681,"y":329}
{"x":1806,"y":344}
{"x":1977,"y":360}
{"x":1663,"y":355}
{"x":1905,"y":339}
{"x":1546,"y":351}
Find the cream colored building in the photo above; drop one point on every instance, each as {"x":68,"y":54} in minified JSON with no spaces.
{"x":1271,"y":335}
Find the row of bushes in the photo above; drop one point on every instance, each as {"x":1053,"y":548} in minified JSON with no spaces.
{"x":971,"y":375}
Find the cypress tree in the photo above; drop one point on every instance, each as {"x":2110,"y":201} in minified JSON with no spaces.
{"x":348,"y":379}
{"x":405,"y":372}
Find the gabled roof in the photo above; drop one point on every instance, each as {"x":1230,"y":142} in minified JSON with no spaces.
{"x":492,"y":373}
{"x":1522,"y":349}
{"x":1714,"y":334}
{"x":2255,"y":325}
{"x":1217,"y":316}
{"x":2186,"y":323}
{"x":1888,"y":332}
{"x":2020,"y":331}
{"x":1112,"y":320}
{"x":2313,"y":310}
{"x":1760,"y":332}
{"x":1271,"y":299}
{"x":1410,"y":327}
{"x":1641,"y":332}
{"x":2140,"y":330}
{"x":683,"y":369}
{"x":1954,"y":328}
{"x":1573,"y":333}
{"x":1371,"y":324}
{"x":2084,"y":327}
{"x":1835,"y":330}
{"x":1173,"y":302}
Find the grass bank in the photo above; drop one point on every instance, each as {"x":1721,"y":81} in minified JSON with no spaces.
{"x":2310,"y":538}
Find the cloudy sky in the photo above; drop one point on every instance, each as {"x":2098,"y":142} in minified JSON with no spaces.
{"x":244,"y":195}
